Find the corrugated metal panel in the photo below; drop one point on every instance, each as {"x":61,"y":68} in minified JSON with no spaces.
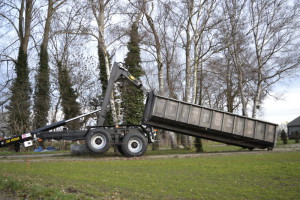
{"x":208,"y":123}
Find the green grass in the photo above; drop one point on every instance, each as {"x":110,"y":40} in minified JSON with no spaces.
{"x":233,"y":176}
{"x":16,"y":188}
{"x":280,"y":142}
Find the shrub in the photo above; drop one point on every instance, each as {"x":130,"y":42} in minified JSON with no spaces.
{"x":283,"y":137}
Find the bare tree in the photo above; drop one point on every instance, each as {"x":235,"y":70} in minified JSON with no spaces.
{"x":205,"y":42}
{"x":235,"y":46}
{"x":198,"y":22}
{"x":66,"y":47}
{"x":188,"y":12}
{"x":153,"y":40}
{"x":274,"y":30}
{"x":169,"y":41}
{"x":148,"y":12}
{"x":199,"y":43}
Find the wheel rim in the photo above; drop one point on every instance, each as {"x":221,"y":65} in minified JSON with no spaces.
{"x":98,"y":141}
{"x":135,"y":145}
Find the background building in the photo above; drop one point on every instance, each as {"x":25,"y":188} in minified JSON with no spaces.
{"x":293,"y":127}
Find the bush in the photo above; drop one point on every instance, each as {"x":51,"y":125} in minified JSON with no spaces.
{"x":283,"y":137}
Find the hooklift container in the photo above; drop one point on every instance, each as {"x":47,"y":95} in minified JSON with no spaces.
{"x":199,"y":121}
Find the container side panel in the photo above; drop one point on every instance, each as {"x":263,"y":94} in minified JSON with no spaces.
{"x":260,"y":129}
{"x":205,"y":118}
{"x":195,"y":120}
{"x":270,"y":133}
{"x":183,"y":112}
{"x":171,"y":110}
{"x":249,"y":128}
{"x":217,"y":120}
{"x":239,"y":126}
{"x":228,"y":123}
{"x":195,"y":115}
{"x":159,"y":107}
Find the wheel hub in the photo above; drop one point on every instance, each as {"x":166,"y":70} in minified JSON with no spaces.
{"x":98,"y":141}
{"x":134,"y":145}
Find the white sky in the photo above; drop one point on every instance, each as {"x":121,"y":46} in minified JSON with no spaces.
{"x":286,"y":109}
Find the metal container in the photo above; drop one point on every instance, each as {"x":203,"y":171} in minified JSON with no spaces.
{"x":207,"y":123}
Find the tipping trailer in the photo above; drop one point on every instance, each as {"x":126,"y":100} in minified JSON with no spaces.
{"x":159,"y":112}
{"x":199,"y":121}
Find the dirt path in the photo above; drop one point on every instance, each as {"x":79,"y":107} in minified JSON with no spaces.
{"x":5,"y":196}
{"x":67,"y":157}
{"x":288,"y":147}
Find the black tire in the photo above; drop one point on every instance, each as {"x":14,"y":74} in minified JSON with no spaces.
{"x":134,"y":145}
{"x":119,"y":147}
{"x":270,"y":148}
{"x":17,"y":147}
{"x":98,"y":141}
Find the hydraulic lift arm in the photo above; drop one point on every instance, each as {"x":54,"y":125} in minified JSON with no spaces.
{"x":117,"y":71}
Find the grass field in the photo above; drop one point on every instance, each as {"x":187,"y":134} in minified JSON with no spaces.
{"x":234,"y":176}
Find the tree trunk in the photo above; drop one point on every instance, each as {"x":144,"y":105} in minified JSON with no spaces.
{"x":172,"y":135}
{"x":24,"y":32}
{"x":99,"y":14}
{"x":159,"y":62}
{"x":173,"y":140}
{"x":198,"y":141}
{"x":158,"y":55}
{"x":186,"y":140}
{"x":42,"y":96}
{"x":256,"y":100}
{"x":19,"y":108}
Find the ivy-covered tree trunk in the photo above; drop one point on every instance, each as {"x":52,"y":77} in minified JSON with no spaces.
{"x":19,"y":107}
{"x":132,"y":97}
{"x":198,"y":145}
{"x":42,"y":97}
{"x":71,"y":107}
{"x":42,"y":90}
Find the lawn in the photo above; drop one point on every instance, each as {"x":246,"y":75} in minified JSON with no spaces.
{"x":266,"y":175}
